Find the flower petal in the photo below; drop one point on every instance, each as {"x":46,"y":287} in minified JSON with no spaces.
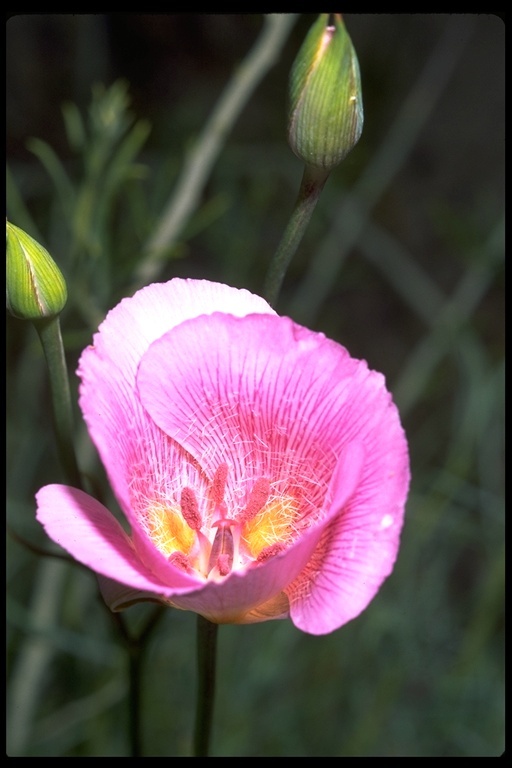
{"x":90,"y":533}
{"x":260,"y":393}
{"x":269,"y":397}
{"x":116,"y":422}
{"x":359,"y":546}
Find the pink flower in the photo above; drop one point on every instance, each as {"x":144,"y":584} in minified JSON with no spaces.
{"x":262,"y":470}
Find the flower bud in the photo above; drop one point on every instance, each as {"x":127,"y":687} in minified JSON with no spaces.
{"x":326,"y":107}
{"x":35,"y":285}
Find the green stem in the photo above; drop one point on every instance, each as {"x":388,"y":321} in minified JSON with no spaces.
{"x":313,"y":181}
{"x":53,"y":348}
{"x":206,"y":658}
{"x":136,"y":647}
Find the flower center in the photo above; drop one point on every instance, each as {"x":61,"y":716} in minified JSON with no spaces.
{"x":210,"y":540}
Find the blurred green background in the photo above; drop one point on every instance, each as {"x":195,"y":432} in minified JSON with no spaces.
{"x":403,"y":264}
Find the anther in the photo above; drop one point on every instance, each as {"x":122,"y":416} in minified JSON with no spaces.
{"x":190,"y":509}
{"x":219,"y":484}
{"x":181,"y":561}
{"x":268,"y":552}
{"x":258,"y":497}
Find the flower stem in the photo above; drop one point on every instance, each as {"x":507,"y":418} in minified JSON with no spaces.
{"x":136,"y":647}
{"x":313,"y":181}
{"x":50,"y":336}
{"x":206,"y":659}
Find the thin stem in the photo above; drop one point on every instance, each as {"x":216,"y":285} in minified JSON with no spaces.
{"x":206,"y":660}
{"x":53,"y":348}
{"x":136,"y":646}
{"x":313,"y":181}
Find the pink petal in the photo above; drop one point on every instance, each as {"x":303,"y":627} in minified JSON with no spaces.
{"x":119,"y":427}
{"x":261,"y":394}
{"x":90,"y":533}
{"x":359,"y":547}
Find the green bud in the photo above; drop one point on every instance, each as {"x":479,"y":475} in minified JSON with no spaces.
{"x":326,"y":106}
{"x":35,"y":285}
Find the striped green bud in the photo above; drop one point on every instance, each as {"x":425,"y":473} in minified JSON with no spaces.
{"x":326,"y":107}
{"x":35,"y":285}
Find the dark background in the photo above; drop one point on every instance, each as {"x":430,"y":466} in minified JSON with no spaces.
{"x":402,"y":263}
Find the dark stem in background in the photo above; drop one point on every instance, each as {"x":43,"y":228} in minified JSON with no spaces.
{"x":136,"y":647}
{"x":206,"y":657}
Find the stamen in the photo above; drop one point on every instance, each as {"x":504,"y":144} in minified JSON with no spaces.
{"x":268,"y":552}
{"x":258,"y":497}
{"x":181,"y":561}
{"x":190,"y":509}
{"x":219,"y":483}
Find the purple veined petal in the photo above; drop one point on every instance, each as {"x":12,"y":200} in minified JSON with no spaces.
{"x":119,"y":427}
{"x":261,"y":394}
{"x":359,"y":547}
{"x":90,"y":533}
